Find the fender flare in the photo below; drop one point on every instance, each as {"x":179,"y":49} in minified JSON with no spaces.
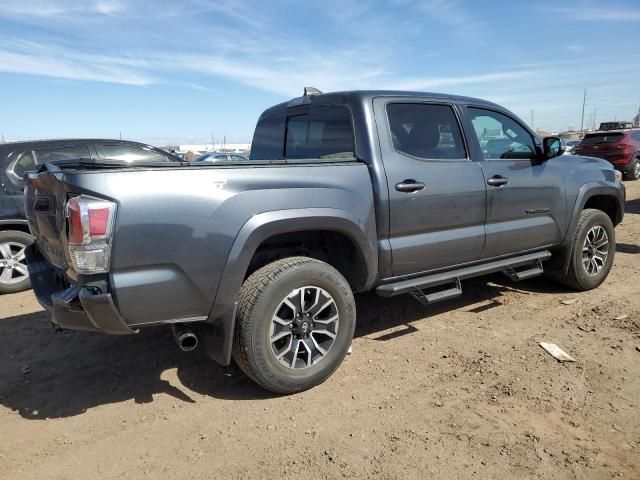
{"x":256,"y":230}
{"x":587,"y":191}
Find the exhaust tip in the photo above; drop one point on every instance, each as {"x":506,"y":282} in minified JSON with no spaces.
{"x":185,"y":338}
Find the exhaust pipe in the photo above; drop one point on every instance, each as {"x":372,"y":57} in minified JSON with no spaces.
{"x":186,"y":339}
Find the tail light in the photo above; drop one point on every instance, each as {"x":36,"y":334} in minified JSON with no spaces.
{"x":90,"y":226}
{"x":624,"y":146}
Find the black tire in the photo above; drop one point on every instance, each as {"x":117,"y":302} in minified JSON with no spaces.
{"x":13,"y":240}
{"x":634,"y":170}
{"x":578,"y":277}
{"x":260,"y":300}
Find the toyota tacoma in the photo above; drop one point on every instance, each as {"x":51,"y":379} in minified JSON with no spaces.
{"x":397,"y":192}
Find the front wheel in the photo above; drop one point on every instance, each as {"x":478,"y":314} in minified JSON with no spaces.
{"x":296,"y":319}
{"x":13,"y":265}
{"x":634,"y":170}
{"x":593,"y":249}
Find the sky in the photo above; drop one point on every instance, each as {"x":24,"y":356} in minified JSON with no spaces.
{"x":171,"y":72}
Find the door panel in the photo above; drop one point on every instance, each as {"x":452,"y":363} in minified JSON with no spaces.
{"x":442,"y":223}
{"x":526,"y":199}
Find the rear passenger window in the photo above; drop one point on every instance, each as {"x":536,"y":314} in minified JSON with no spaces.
{"x":16,"y":169}
{"x":426,"y":131}
{"x":130,"y":153}
{"x":62,"y":153}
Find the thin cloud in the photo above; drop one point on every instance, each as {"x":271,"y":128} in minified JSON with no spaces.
{"x":35,"y":59}
{"x":595,"y":13}
{"x":60,"y":8}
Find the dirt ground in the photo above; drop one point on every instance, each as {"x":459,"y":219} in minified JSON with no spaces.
{"x":457,"y":390}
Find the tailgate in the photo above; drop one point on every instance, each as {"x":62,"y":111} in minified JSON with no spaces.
{"x":45,"y":198}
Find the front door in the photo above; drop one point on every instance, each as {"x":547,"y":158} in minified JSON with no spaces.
{"x":525,"y":195}
{"x":437,"y":195}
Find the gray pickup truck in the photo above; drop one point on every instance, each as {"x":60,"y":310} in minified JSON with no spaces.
{"x":344,"y":192}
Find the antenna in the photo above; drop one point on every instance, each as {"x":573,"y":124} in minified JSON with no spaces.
{"x":308,"y":91}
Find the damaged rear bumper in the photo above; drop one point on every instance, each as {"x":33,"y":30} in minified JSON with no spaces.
{"x":73,"y":307}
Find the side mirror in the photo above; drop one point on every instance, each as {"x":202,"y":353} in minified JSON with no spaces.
{"x":552,"y":147}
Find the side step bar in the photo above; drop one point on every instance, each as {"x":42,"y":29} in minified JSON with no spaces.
{"x":509,"y":266}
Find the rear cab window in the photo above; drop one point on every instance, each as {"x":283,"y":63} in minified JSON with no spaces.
{"x":320,"y":132}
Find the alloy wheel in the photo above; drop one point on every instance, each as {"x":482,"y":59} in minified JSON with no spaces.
{"x":304,"y":327}
{"x":13,"y":267}
{"x":595,"y":250}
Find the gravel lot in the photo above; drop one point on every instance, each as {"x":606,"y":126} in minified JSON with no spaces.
{"x":457,"y":390}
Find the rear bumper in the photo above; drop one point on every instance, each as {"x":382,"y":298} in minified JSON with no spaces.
{"x":73,"y":307}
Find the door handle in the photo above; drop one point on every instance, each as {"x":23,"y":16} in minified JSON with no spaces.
{"x":409,"y":185}
{"x":497,"y":181}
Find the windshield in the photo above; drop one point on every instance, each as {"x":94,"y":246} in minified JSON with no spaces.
{"x":593,"y":138}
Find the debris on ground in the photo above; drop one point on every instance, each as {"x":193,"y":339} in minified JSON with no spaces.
{"x":621,"y":317}
{"x":556,"y":352}
{"x":569,"y":301}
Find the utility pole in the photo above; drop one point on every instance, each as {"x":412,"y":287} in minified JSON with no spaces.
{"x":213,"y":143}
{"x":532,"y":118}
{"x":3,"y":138}
{"x":584,"y":100}
{"x":120,"y":135}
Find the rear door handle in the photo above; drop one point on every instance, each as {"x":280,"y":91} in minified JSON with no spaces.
{"x":497,"y":181}
{"x":409,"y":185}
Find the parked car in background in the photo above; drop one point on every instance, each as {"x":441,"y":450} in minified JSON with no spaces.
{"x":216,"y":157}
{"x":569,"y":146}
{"x":606,"y":126}
{"x":619,"y":147}
{"x":20,"y":157}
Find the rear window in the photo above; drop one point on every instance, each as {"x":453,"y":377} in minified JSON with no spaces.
{"x":321,"y":132}
{"x":130,"y":153}
{"x":62,"y":153}
{"x":593,"y":138}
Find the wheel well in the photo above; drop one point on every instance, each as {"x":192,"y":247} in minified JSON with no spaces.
{"x":607,"y":204}
{"x":15,"y":226}
{"x":334,"y":248}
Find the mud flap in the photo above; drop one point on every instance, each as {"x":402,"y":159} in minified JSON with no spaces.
{"x":218,"y":337}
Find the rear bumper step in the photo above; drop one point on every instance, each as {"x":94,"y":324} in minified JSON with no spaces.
{"x":506,"y":265}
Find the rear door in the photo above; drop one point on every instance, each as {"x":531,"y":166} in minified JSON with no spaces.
{"x":437,"y":194}
{"x":526,"y":199}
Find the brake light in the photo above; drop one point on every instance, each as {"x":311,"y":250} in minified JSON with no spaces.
{"x":90,"y":223}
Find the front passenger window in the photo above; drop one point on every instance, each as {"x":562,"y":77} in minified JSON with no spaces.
{"x":500,"y":136}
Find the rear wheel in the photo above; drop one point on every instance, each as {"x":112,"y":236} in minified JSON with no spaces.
{"x":14,"y":276}
{"x":296,"y":319}
{"x":594,"y":246}
{"x":634,"y":171}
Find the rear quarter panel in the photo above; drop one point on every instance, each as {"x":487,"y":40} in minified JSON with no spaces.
{"x":175,"y":228}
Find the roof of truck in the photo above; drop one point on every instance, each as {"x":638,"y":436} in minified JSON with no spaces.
{"x":366,"y":96}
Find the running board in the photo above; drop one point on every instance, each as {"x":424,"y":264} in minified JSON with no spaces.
{"x":516,"y":275}
{"x":426,"y":298}
{"x":455,"y":276}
